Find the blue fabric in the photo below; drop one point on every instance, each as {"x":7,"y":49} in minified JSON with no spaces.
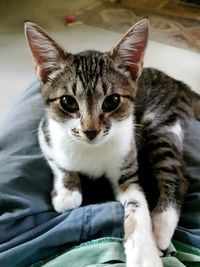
{"x":30,"y":230}
{"x":189,"y":225}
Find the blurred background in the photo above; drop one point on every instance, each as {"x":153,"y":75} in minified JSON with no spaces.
{"x":82,"y":24}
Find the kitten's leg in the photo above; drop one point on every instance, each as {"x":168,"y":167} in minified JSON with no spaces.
{"x":140,"y":247}
{"x":66,"y":192}
{"x":165,"y":155}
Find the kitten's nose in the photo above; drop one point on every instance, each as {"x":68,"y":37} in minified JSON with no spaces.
{"x":91,"y":134}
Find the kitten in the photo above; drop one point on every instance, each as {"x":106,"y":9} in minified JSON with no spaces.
{"x":105,"y":116}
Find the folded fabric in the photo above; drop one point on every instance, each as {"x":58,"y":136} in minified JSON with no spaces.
{"x":189,"y":225}
{"x":99,"y":252}
{"x":109,"y":252}
{"x":189,"y":255}
{"x":30,"y":230}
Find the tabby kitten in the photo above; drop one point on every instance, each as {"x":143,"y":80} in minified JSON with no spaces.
{"x":104,"y":116}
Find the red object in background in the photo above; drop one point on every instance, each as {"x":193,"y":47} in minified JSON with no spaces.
{"x":69,"y":19}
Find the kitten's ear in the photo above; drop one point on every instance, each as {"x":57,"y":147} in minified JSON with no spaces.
{"x":46,"y":53}
{"x":129,"y":51}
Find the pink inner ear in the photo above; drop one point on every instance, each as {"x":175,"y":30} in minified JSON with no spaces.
{"x":131,"y":48}
{"x":138,"y":55}
{"x":43,"y":73}
{"x":42,"y":66}
{"x":45,"y":51}
{"x":135,"y":55}
{"x":40,"y":59}
{"x":135,"y":62}
{"x":34,"y":48}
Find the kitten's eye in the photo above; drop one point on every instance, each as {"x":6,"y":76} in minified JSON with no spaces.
{"x":111,"y":103}
{"x":69,"y":104}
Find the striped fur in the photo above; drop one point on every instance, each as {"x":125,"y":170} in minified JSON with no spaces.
{"x":137,"y":144}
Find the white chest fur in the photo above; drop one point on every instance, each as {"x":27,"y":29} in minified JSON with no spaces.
{"x":93,"y":160}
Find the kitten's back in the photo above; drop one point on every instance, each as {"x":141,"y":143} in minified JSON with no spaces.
{"x":162,"y":99}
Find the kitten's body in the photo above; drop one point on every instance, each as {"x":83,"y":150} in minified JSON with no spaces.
{"x":102,"y":120}
{"x":163,"y":107}
{"x":158,"y":108}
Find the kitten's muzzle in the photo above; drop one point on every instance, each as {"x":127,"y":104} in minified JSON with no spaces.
{"x":91,"y":134}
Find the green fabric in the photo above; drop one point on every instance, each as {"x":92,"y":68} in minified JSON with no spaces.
{"x":96,"y":253}
{"x":107,"y":252}
{"x":189,"y":255}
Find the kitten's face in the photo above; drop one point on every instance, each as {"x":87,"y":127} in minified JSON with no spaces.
{"x":89,"y":97}
{"x":89,"y":93}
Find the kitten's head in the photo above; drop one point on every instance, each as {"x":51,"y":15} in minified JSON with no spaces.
{"x":89,"y":93}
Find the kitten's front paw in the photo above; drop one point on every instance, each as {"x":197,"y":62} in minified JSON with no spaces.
{"x":146,"y":256}
{"x":66,"y":200}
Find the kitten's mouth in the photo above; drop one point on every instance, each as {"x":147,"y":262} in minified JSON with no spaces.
{"x":91,"y":142}
{"x":94,"y":142}
{"x":98,"y":140}
{"x":85,"y":140}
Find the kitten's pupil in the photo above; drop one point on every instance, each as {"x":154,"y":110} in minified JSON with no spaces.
{"x":69,"y":104}
{"x":111,"y":103}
